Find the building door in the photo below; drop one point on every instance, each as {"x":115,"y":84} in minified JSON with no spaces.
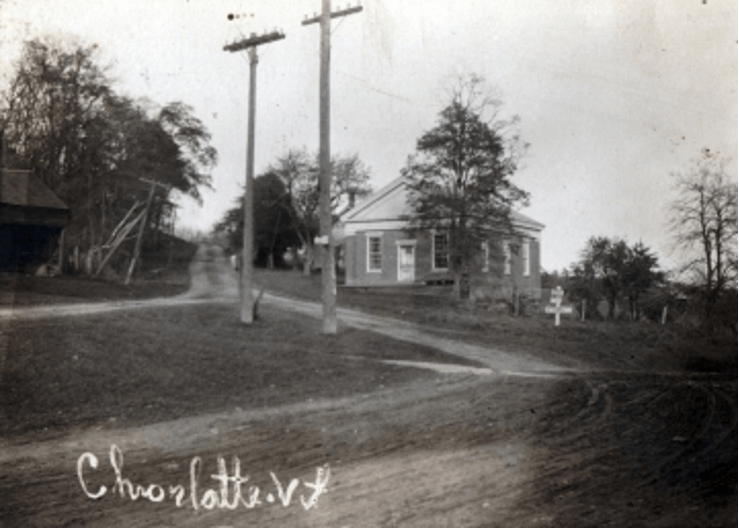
{"x":406,"y":263}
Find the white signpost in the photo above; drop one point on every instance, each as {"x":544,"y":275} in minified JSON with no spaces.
{"x":556,"y":306}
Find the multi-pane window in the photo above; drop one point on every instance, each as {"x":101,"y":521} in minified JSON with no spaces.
{"x":374,"y":253}
{"x":441,"y":251}
{"x":506,"y":258}
{"x":525,"y":260}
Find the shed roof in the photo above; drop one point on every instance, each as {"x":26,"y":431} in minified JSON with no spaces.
{"x":23,"y":188}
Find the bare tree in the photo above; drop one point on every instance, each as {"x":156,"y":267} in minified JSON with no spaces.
{"x":703,"y":221}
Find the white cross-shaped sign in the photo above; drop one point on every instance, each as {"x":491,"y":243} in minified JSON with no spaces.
{"x":556,"y":307}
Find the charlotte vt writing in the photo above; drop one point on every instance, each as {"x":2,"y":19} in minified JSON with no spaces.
{"x":228,"y":495}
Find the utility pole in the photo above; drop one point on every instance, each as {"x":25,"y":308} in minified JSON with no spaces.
{"x":328,"y":273}
{"x":247,"y":259}
{"x":139,"y":238}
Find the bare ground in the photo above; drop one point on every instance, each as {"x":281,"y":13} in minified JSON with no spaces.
{"x":535,"y":442}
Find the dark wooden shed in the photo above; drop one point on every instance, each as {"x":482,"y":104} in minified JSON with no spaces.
{"x":31,"y":219}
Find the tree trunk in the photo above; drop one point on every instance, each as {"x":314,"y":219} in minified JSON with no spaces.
{"x":88,"y":262}
{"x":102,"y":217}
{"x":157,"y":218}
{"x":584,"y":308}
{"x":308,"y":260}
{"x":296,"y":262}
{"x":611,"y":308}
{"x":457,"y":287}
{"x":92,"y":231}
{"x":271,"y":257}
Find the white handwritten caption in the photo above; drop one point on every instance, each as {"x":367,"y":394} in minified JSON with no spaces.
{"x":228,"y":496}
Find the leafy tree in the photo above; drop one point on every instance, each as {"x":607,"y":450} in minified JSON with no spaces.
{"x":586,"y":288}
{"x":231,"y":226}
{"x":52,"y":115}
{"x":299,"y":173}
{"x":194,"y":152}
{"x":555,"y":278}
{"x":62,"y":118}
{"x":286,"y":203}
{"x":611,"y":269}
{"x":459,"y":180}
{"x":609,"y":263}
{"x":704,"y":226}
{"x":168,"y":145}
{"x":273,"y":233}
{"x":640,"y":273}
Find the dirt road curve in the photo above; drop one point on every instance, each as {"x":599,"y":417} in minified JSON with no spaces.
{"x":213,"y":281}
{"x":570,"y":447}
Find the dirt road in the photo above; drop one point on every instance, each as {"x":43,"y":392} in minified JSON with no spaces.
{"x":570,"y":446}
{"x":213,"y":281}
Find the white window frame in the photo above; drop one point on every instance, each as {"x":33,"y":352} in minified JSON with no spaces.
{"x":485,"y":246}
{"x":507,"y":258}
{"x":370,"y":236}
{"x":434,"y":234}
{"x":526,"y":258}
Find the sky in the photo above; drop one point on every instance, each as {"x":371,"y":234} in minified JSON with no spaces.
{"x":614,"y":96}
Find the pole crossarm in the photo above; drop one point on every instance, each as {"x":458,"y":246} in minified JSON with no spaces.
{"x":335,"y":14}
{"x":254,"y":40}
{"x":328,"y":273}
{"x":247,"y":302}
{"x":168,"y":187}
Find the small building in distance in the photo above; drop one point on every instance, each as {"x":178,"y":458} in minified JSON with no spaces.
{"x":32,"y":218}
{"x":379,"y":250}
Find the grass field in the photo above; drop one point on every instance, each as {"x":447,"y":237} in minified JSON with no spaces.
{"x":605,"y":344}
{"x":137,"y":367}
{"x":159,"y":277}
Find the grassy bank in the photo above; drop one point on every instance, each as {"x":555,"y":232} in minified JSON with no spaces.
{"x":149,"y":365}
{"x":162,"y":275}
{"x":604,"y":345}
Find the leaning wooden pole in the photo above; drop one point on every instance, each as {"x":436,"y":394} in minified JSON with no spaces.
{"x":117,"y":242}
{"x":140,"y":236}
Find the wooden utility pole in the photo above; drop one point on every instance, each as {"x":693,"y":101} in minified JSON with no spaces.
{"x":247,"y":259}
{"x":142,"y":227}
{"x":328,"y":273}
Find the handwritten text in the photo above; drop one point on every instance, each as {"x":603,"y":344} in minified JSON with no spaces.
{"x":231,"y":492}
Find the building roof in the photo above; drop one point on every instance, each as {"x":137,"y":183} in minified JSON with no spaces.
{"x":373,"y":198}
{"x":389,"y":202}
{"x":23,"y":188}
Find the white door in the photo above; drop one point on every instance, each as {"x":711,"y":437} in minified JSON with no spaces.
{"x":406,"y":263}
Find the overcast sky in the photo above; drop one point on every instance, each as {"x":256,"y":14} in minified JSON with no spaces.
{"x":613,"y":95}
